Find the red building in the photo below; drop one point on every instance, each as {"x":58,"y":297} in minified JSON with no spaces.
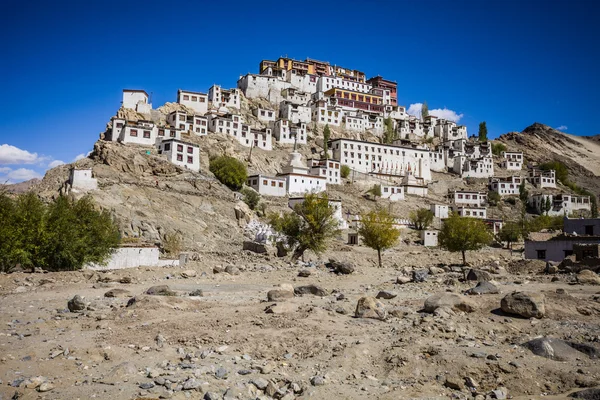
{"x":379,"y":82}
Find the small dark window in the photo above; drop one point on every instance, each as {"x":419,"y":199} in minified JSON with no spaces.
{"x":541,"y":254}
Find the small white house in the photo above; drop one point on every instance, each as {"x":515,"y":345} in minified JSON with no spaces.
{"x":139,"y":132}
{"x":181,"y":153}
{"x":468,"y":197}
{"x":469,"y":167}
{"x":288,"y":133}
{"x":392,"y":192}
{"x":81,"y":180}
{"x":440,"y":210}
{"x":470,"y":211}
{"x":294,"y":112}
{"x":224,"y":97}
{"x":560,"y":204}
{"x":195,"y":100}
{"x":267,"y":185}
{"x":298,"y":179}
{"x":513,"y":160}
{"x":542,"y":179}
{"x":430,"y":238}
{"x":326,"y":168}
{"x":264,"y":114}
{"x":505,"y":186}
{"x":136,"y":100}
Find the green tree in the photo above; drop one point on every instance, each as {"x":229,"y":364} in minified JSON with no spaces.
{"x":494,"y":198}
{"x":251,"y":197}
{"x":377,"y":231}
{"x":510,"y":233}
{"x":483,"y":132}
{"x":388,"y":132}
{"x":498,"y":148}
{"x":424,"y":110}
{"x":523,"y":193}
{"x":345,"y":171}
{"x":310,"y":226}
{"x":229,"y":171}
{"x":547,"y":205}
{"x":326,"y":136}
{"x":30,"y":231}
{"x":375,"y":191}
{"x":463,"y":234}
{"x":560,"y":169}
{"x":421,"y":218}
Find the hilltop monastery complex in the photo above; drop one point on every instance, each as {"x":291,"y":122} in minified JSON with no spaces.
{"x":311,"y":94}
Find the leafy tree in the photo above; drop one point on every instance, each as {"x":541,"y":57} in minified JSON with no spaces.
{"x":510,"y":233}
{"x":498,"y":148}
{"x":421,"y":219}
{"x":494,"y":198}
{"x":310,"y":227}
{"x":560,"y":169}
{"x":326,"y":136}
{"x":251,"y":197}
{"x":229,"y":171}
{"x":344,"y":171}
{"x":64,"y":235}
{"x":464,"y":233}
{"x":377,"y":231}
{"x":424,"y":110}
{"x":547,"y":205}
{"x":375,"y":191}
{"x":523,"y":192}
{"x":542,"y":222}
{"x":483,"y":132}
{"x":388,"y":132}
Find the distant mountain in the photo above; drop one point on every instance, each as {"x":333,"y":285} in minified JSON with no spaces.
{"x":21,"y":187}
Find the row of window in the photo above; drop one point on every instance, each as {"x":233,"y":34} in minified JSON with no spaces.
{"x":194,"y":98}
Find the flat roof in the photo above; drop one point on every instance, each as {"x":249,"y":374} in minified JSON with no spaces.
{"x":135,"y":91}
{"x":265,"y":176}
{"x":179,"y":141}
{"x":189,"y":91}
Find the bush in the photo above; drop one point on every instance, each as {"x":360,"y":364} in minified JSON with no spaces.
{"x":251,"y":197}
{"x":61,"y":236}
{"x":498,"y":148}
{"x":378,"y":231}
{"x":460,"y":234}
{"x":172,"y":244}
{"x":493,"y":198}
{"x":421,"y":219}
{"x":561,"y":170}
{"x":229,"y":171}
{"x":345,"y":171}
{"x":375,"y":191}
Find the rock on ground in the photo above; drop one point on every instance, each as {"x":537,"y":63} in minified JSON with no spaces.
{"x":527,"y":305}
{"x":160,"y":290}
{"x":282,"y":292}
{"x":478,"y":275}
{"x":483,"y":288}
{"x":370,"y":307}
{"x":453,"y":301}
{"x":587,"y":277}
{"x":76,"y":304}
{"x":311,"y":289}
{"x":341,"y":267}
{"x":560,"y":350}
{"x":118,"y":293}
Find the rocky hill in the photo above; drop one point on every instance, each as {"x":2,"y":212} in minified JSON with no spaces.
{"x":540,"y":143}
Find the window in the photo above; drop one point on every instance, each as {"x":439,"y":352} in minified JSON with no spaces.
{"x":186,"y":97}
{"x":172,"y":134}
{"x":161,"y":132}
{"x":541,"y":254}
{"x":119,"y":124}
{"x":179,"y":157}
{"x":133,"y":132}
{"x":147,"y":134}
{"x":190,"y":160}
{"x":264,"y":181}
{"x":167,"y":146}
{"x":589,"y":229}
{"x":280,"y":184}
{"x":194,"y":98}
{"x":180,"y":148}
{"x":273,"y":183}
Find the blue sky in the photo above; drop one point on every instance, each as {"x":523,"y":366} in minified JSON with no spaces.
{"x":509,"y":63}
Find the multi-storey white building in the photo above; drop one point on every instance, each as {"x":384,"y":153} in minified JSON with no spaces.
{"x":326,"y":168}
{"x":325,"y":83}
{"x":288,"y":133}
{"x":224,"y":97}
{"x":294,"y":112}
{"x":263,"y":86}
{"x":470,"y":211}
{"x":505,"y":186}
{"x":138,"y":132}
{"x":380,"y":158}
{"x":267,"y":185}
{"x":440,"y":210}
{"x":196,"y":124}
{"x":542,"y":179}
{"x":513,"y":160}
{"x":195,"y":100}
{"x":468,"y":167}
{"x":392,"y":192}
{"x":181,"y":153}
{"x":326,"y":115}
{"x":468,"y":197}
{"x":263,"y":114}
{"x":449,"y":131}
{"x":231,"y":124}
{"x":136,"y":100}
{"x":560,"y":204}
{"x":295,"y":96}
{"x":298,"y":178}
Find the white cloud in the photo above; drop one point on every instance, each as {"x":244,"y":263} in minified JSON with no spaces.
{"x":82,"y":155}
{"x":18,"y":175}
{"x":5,"y":170}
{"x":415,"y":109}
{"x":13,"y":155}
{"x":562,"y":128}
{"x":55,"y":163}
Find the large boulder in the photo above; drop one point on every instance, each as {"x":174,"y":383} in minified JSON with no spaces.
{"x":483,"y":288}
{"x":420,"y":275}
{"x":560,"y":350}
{"x":160,"y":290}
{"x":370,"y":307}
{"x":453,"y":301}
{"x":311,"y":289}
{"x":281,"y":292}
{"x":341,"y":267}
{"x":587,"y":394}
{"x":587,"y":277}
{"x":478,"y":275}
{"x":527,"y":305}
{"x":76,"y":304}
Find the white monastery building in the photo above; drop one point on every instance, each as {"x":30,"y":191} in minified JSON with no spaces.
{"x":181,"y":153}
{"x":513,"y":160}
{"x":195,"y":100}
{"x":267,"y":185}
{"x":542,"y":179}
{"x":505,"y":186}
{"x":136,"y":100}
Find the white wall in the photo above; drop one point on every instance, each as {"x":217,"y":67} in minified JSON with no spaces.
{"x":430,"y":238}
{"x":440,"y":210}
{"x":181,"y":153}
{"x":196,"y":101}
{"x":393,"y":193}
{"x":298,"y":184}
{"x":81,"y":179}
{"x":131,"y":99}
{"x":132,"y":257}
{"x":268,"y":186}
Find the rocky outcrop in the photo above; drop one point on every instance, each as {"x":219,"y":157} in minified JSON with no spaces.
{"x":528,"y":305}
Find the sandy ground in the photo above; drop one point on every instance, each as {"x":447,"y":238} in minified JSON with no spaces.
{"x":410,"y":355}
